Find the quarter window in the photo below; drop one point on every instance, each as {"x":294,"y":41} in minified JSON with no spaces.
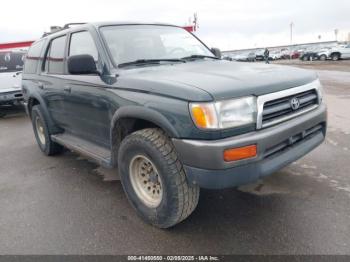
{"x":33,"y":58}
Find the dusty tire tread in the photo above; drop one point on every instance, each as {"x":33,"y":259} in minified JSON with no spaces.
{"x":51,"y":148}
{"x":187,"y":195}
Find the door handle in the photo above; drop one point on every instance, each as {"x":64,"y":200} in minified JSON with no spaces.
{"x":67,"y":89}
{"x":41,"y":85}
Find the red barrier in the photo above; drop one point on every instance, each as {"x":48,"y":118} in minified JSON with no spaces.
{"x":189,"y":28}
{"x":15,"y":45}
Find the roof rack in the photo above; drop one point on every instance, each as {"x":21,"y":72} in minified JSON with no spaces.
{"x":70,"y":24}
{"x":54,"y":29}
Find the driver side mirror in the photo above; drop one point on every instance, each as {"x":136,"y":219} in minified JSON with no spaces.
{"x":216,"y":52}
{"x":82,"y":65}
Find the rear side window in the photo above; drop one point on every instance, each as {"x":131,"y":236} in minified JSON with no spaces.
{"x":81,"y":43}
{"x":54,"y":62}
{"x":33,"y":58}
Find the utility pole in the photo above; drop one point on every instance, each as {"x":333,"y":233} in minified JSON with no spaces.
{"x":195,"y":21}
{"x":291,"y":33}
{"x":336,"y":34}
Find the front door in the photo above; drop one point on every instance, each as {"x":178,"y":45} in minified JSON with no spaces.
{"x":88,"y":104}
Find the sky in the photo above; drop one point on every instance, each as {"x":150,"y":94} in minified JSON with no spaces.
{"x":226,"y":24}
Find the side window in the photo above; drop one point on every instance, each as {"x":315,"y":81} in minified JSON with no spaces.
{"x":82,"y":43}
{"x":54,"y":62}
{"x":33,"y":58}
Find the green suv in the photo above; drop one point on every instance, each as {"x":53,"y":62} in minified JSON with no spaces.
{"x":155,"y":102}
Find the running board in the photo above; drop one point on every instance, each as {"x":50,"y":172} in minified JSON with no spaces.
{"x":98,"y":154}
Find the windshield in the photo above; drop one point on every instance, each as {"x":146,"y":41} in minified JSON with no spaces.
{"x":128,"y":43}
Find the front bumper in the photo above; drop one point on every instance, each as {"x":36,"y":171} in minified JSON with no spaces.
{"x":277,"y":147}
{"x":11,"y":97}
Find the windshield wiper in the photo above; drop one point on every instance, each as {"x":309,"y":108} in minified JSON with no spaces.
{"x":149,"y":61}
{"x":193,"y":57}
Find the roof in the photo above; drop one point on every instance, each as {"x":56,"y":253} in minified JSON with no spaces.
{"x":66,"y":28}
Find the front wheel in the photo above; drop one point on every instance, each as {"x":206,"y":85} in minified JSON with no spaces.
{"x":154,"y":180}
{"x":323,"y":57}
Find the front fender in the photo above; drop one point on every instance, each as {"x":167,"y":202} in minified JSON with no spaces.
{"x":137,"y":112}
{"x":147,"y":114}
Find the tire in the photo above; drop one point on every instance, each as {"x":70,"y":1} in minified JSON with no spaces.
{"x":335,"y":57}
{"x":323,"y":57}
{"x":41,"y":132}
{"x":177,"y":198}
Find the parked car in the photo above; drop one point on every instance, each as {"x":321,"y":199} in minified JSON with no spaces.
{"x":251,"y":57}
{"x":275,"y":55}
{"x":295,"y":54}
{"x":259,"y":55}
{"x":227,"y":57}
{"x":309,"y":54}
{"x":241,"y":57}
{"x":158,"y":104}
{"x":285,"y":53}
{"x":340,"y":52}
{"x":324,"y":53}
{"x":11,"y":62}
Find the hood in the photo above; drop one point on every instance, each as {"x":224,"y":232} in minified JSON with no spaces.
{"x":215,"y":80}
{"x":9,"y":82}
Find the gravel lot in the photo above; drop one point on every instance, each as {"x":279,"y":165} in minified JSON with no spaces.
{"x":67,"y":205}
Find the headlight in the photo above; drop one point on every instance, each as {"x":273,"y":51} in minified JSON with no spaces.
{"x":319,"y":89}
{"x":224,"y":114}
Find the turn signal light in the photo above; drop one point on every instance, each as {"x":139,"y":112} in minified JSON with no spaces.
{"x":204,"y":115}
{"x":240,"y":153}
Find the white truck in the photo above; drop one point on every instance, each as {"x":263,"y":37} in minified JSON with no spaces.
{"x":11,"y":65}
{"x":335,"y":53}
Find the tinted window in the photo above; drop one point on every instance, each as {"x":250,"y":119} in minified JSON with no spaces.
{"x":82,"y":44}
{"x":55,"y":56}
{"x":33,"y":58}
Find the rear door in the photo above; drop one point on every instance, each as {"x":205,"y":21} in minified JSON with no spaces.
{"x":51,"y":80}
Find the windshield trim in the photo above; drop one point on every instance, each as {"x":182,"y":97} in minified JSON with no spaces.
{"x":105,"y":45}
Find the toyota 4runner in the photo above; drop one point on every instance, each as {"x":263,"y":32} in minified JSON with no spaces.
{"x":158,"y":104}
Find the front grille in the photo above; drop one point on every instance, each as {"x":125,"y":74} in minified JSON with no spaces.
{"x":277,"y":109}
{"x":294,"y":140}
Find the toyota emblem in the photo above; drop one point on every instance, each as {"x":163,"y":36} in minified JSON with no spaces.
{"x":295,"y":103}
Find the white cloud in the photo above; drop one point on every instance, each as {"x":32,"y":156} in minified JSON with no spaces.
{"x":225,"y":24}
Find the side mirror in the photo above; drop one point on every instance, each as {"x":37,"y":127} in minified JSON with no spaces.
{"x":82,"y":65}
{"x":216,"y":52}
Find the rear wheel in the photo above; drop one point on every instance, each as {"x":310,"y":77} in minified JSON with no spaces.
{"x":335,"y":57}
{"x":154,"y":180}
{"x":42,"y":135}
